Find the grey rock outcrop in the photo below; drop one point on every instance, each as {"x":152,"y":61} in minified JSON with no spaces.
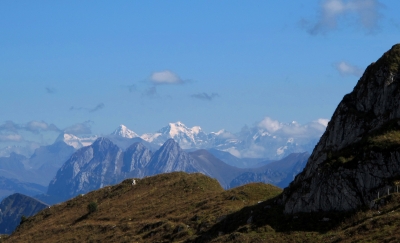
{"x":136,"y":159}
{"x":170,"y":157}
{"x":88,"y":169}
{"x":104,"y":163}
{"x":100,"y":164}
{"x":359,"y":153}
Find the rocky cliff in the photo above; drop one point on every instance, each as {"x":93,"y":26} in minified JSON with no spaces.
{"x":170,"y":157}
{"x":359,"y":153}
{"x":90,"y":168}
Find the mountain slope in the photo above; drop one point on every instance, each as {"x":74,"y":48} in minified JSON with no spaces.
{"x":136,"y":158}
{"x":164,"y":208}
{"x":230,"y":159}
{"x":359,"y":154}
{"x":215,"y":168}
{"x":279,"y":173}
{"x":103,"y":163}
{"x":14,"y":207}
{"x":90,"y":168}
{"x":180,"y":207}
{"x":170,"y":157}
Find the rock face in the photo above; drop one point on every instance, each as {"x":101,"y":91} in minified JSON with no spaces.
{"x":136,"y":159}
{"x":13,"y":207}
{"x":100,"y":164}
{"x":103,"y":163}
{"x":170,"y":157}
{"x":359,"y":153}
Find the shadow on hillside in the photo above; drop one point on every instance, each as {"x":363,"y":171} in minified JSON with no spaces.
{"x":269,"y":217}
{"x":83,"y":217}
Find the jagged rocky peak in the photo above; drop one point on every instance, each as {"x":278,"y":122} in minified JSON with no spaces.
{"x":170,"y":147}
{"x":359,"y":153}
{"x":102,"y":144}
{"x":136,"y":156}
{"x":170,"y":157}
{"x":124,"y":132}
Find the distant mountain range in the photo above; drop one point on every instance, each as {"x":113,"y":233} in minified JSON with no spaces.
{"x":145,"y":155}
{"x":40,"y":168}
{"x":103,"y":163}
{"x":268,"y":139}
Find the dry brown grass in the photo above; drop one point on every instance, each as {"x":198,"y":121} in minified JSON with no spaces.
{"x":163,"y":208}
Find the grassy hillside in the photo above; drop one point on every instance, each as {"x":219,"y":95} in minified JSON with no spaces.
{"x":162,"y":208}
{"x":180,"y":207}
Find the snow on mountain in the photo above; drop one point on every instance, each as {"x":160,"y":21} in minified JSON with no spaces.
{"x":267,"y":139}
{"x":75,"y":141}
{"x":124,"y":132}
{"x":186,"y":137}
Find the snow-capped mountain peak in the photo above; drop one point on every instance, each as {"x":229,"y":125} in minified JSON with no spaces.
{"x":185,"y":136}
{"x":124,"y":132}
{"x":75,"y":141}
{"x":177,"y":128}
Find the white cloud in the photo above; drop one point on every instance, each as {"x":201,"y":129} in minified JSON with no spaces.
{"x":346,"y":69}
{"x":270,"y":124}
{"x":234,"y":152}
{"x":165,"y":77}
{"x":37,"y":126}
{"x":323,"y":122}
{"x":294,"y":129}
{"x":366,"y":13}
{"x":10,"y":138}
{"x":32,"y":126}
{"x":224,"y":134}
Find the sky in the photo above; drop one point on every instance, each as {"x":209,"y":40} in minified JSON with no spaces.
{"x":85,"y":67}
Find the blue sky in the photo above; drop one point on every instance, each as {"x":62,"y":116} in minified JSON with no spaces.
{"x":92,"y":65}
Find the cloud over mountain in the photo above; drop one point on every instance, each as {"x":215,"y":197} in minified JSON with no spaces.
{"x":37,"y":126}
{"x":294,"y":129}
{"x":32,"y":126}
{"x":365,"y":12}
{"x":10,"y":138}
